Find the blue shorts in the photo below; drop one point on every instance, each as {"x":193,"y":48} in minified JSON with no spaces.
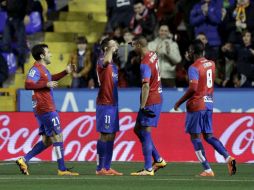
{"x":148,"y":121}
{"x":107,"y":119}
{"x":199,"y":122}
{"x":49,"y":124}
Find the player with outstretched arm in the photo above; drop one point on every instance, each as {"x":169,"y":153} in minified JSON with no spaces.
{"x":199,"y":97}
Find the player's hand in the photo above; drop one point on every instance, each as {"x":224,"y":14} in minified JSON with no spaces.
{"x":176,"y":106}
{"x":71,"y":68}
{"x":52,"y":84}
{"x":148,"y":113}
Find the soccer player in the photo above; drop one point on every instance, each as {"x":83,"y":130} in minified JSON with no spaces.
{"x":150,"y":107}
{"x":41,"y":82}
{"x":107,"y":118}
{"x":200,"y":108}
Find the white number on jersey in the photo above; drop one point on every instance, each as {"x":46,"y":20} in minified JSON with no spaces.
{"x":107,"y":119}
{"x":55,"y":121}
{"x":209,"y":78}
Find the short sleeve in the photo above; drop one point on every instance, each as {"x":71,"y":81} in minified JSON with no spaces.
{"x":34,"y":74}
{"x":145,"y":72}
{"x":193,"y":73}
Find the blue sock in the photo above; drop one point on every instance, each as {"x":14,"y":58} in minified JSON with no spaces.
{"x":147,"y":148}
{"x":200,"y":152}
{"x":101,"y":154}
{"x":155,"y":153}
{"x":109,"y":153}
{"x":37,"y":149}
{"x":59,"y":151}
{"x":218,"y":146}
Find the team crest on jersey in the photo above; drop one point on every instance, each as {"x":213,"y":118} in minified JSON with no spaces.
{"x":106,"y":126}
{"x":58,"y":127}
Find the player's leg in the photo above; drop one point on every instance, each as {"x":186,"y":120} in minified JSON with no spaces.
{"x":105,"y":147}
{"x":22,"y":162}
{"x":219,"y":147}
{"x":155,"y":154}
{"x":101,"y":154}
{"x":104,"y":151}
{"x":38,"y":148}
{"x":57,"y":141}
{"x":144,"y":134}
{"x":159,"y":162}
{"x":109,"y":139}
{"x":54,"y":132}
{"x":200,"y":153}
{"x":143,"y":130}
{"x":193,"y":126}
{"x":107,"y":123}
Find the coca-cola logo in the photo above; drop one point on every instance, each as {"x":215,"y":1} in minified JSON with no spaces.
{"x":238,"y":138}
{"x":19,"y":132}
{"x":77,"y":139}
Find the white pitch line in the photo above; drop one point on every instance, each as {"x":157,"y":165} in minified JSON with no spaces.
{"x":124,"y":178}
{"x":9,"y":163}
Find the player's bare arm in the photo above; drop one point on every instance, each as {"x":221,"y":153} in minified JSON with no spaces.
{"x":188,"y":94}
{"x":70,"y":68}
{"x":145,"y":93}
{"x":108,"y":55}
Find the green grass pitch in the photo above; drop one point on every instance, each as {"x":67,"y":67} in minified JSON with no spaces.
{"x":180,"y":176}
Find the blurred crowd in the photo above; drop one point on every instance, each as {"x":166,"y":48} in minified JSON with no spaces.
{"x":226,"y":28}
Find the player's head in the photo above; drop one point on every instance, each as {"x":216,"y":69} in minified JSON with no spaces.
{"x":139,"y":43}
{"x":108,"y":43}
{"x":196,"y":49}
{"x":40,"y":52}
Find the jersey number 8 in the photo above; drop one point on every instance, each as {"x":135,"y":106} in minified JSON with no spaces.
{"x":209,"y":78}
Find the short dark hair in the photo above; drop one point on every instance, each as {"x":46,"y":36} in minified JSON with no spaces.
{"x":140,"y":40}
{"x":104,"y":43}
{"x":37,"y":50}
{"x":198,"y":47}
